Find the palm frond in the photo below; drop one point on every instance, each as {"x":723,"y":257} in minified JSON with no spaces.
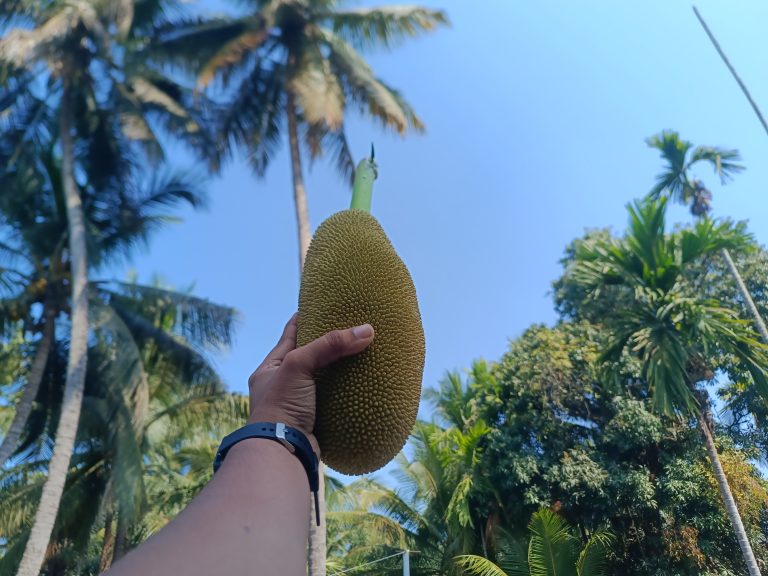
{"x":512,"y":554}
{"x":126,"y":368}
{"x":137,"y":129}
{"x":29,"y":124}
{"x":552,"y":548}
{"x":161,"y":100}
{"x":189,"y":43}
{"x":22,"y":46}
{"x":316,"y":88}
{"x":592,"y":559}
{"x":138,"y":209}
{"x":724,"y":162}
{"x":674,"y":151}
{"x":370,"y":93}
{"x":195,"y":319}
{"x":709,"y":236}
{"x":385,"y":26}
{"x":664,"y":356}
{"x":478,"y":566}
{"x":320,"y":140}
{"x":234,"y":52}
{"x":252,"y":119}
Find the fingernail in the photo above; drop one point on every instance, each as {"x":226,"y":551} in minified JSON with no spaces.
{"x":363,"y":331}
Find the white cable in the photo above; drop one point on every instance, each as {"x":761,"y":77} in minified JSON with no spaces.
{"x":369,"y":563}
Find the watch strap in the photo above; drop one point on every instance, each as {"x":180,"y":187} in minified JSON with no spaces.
{"x":294,"y":440}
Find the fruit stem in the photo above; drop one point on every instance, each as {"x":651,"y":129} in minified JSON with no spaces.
{"x":362,"y":189}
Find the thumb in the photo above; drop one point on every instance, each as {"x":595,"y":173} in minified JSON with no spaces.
{"x":306,"y":360}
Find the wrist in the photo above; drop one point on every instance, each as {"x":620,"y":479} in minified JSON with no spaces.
{"x":293,"y":441}
{"x":255,"y":451}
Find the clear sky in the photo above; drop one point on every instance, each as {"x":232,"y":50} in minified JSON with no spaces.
{"x":536,"y":116}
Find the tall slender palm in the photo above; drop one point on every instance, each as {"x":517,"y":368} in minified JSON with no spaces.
{"x":35,"y":226}
{"x":552,"y":550}
{"x":732,"y":70}
{"x":295,"y":65}
{"x":677,"y":183}
{"x":667,"y":325}
{"x":67,"y":61}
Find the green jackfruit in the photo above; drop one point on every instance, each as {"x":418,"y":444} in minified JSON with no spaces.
{"x":366,"y":404}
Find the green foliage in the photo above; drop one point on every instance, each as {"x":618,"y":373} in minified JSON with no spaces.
{"x":571,"y":433}
{"x":154,"y":412}
{"x":665,"y":322}
{"x":553,"y":549}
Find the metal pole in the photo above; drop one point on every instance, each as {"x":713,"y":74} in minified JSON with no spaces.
{"x":406,"y":563}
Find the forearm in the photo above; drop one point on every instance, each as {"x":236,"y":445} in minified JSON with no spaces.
{"x":252,"y":518}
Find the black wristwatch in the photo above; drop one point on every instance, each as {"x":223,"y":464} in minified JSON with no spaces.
{"x":294,"y":440}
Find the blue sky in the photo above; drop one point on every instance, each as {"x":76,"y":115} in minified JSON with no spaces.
{"x":536,"y":116}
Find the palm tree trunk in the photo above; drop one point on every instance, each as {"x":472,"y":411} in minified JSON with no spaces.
{"x":36,"y":371}
{"x":741,"y":84}
{"x":121,"y":536}
{"x":108,"y":546}
{"x":730,"y":503}
{"x":66,"y":431}
{"x":299,"y":193}
{"x":316,"y":556}
{"x":746,"y":296}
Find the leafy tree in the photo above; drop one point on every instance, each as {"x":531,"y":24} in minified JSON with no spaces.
{"x":554,"y":549}
{"x":571,"y":433}
{"x":670,"y":328}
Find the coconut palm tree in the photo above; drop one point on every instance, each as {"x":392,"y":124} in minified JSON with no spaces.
{"x":34,"y":225}
{"x":667,"y":325}
{"x":149,"y":384}
{"x":553,"y":549}
{"x":676,"y":182}
{"x":295,"y":67}
{"x":76,"y":65}
{"x":173,"y":327}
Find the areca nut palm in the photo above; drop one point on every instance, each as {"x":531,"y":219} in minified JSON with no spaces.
{"x":676,"y":182}
{"x":671,"y":329}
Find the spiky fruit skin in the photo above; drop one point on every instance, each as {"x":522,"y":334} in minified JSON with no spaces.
{"x":366,"y":404}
